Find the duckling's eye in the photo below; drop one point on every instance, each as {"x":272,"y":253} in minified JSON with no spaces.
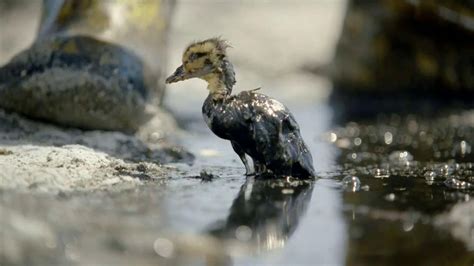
{"x":195,"y":56}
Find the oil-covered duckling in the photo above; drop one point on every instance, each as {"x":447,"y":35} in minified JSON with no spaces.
{"x":255,"y":124}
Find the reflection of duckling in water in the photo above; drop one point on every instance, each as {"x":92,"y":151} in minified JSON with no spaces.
{"x":265,"y":212}
{"x":255,"y":124}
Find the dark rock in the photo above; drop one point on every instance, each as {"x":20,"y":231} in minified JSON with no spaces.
{"x":205,"y":176}
{"x":77,"y":81}
{"x":398,"y":50}
{"x":82,"y":72}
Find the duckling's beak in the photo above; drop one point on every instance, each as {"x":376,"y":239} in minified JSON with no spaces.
{"x":178,"y":75}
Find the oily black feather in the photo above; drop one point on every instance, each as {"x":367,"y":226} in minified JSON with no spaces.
{"x":264,"y":129}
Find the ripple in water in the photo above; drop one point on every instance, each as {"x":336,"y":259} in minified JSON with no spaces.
{"x":455,"y":183}
{"x":430,"y":175}
{"x":400,"y":157}
{"x":351,"y":183}
{"x":381,"y":173}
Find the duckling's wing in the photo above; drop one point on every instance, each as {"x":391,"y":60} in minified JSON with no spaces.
{"x":302,"y":161}
{"x":277,"y":136}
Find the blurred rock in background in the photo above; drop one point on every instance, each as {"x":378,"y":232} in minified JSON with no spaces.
{"x":94,"y":64}
{"x":404,"y":55}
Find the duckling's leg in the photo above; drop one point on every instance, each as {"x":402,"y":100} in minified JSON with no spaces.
{"x":260,"y":168}
{"x":241,"y":154}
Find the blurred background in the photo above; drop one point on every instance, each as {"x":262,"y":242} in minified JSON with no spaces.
{"x":276,"y":44}
{"x":382,"y":90}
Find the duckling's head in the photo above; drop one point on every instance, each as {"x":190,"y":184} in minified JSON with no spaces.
{"x":207,"y":60}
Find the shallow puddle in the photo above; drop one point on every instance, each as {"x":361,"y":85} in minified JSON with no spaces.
{"x":386,"y":192}
{"x":391,"y":191}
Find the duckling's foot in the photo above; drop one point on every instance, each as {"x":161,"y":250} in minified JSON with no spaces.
{"x":259,"y":168}
{"x":248,"y":172}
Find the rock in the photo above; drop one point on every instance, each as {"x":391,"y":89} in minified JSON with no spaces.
{"x":87,"y":71}
{"x":403,"y":50}
{"x":43,"y":157}
{"x":70,"y":167}
{"x":78,"y":82}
